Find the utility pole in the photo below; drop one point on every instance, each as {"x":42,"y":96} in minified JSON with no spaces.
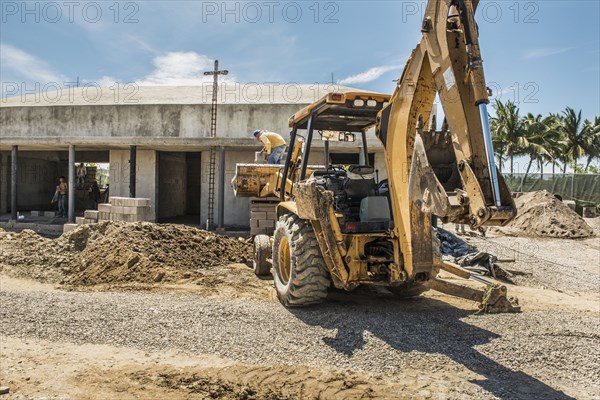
{"x":213,"y":150}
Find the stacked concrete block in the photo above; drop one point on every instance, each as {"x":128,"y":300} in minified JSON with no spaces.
{"x":124,"y":209}
{"x":104,"y":212}
{"x":263,"y":216}
{"x":69,"y":227}
{"x":90,"y":216}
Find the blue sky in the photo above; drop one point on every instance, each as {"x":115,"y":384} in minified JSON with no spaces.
{"x":544,"y":54}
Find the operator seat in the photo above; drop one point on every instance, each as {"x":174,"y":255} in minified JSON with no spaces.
{"x":360,"y":183}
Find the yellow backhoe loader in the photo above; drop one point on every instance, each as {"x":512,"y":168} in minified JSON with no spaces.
{"x":338,"y":225}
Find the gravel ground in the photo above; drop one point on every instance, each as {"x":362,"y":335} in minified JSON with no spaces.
{"x":535,"y":354}
{"x":544,"y":261}
{"x":431,"y":347}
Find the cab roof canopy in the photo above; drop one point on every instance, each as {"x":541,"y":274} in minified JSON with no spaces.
{"x":344,"y":112}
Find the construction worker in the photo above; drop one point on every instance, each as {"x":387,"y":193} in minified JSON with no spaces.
{"x":81,"y":173}
{"x":274,"y":145}
{"x":62,"y":190}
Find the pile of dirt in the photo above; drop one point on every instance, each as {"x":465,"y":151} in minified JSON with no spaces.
{"x":114,"y":253}
{"x":540,"y":214}
{"x":29,"y":255}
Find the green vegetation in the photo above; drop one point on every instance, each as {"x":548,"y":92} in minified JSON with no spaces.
{"x":561,"y":139}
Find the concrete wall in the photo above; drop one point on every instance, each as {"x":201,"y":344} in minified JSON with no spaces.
{"x":172,"y":184}
{"x":152,"y":121}
{"x":146,"y":185}
{"x":175,"y":126}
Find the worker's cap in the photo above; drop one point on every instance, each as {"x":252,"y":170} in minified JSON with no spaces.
{"x":256,"y":132}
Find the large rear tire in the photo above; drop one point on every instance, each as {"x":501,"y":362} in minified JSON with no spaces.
{"x":299,"y":271}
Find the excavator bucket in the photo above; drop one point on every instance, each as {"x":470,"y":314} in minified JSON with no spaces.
{"x":424,"y":189}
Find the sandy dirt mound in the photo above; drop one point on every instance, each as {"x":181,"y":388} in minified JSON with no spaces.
{"x":540,"y":214}
{"x":29,"y":255}
{"x":146,"y":253}
{"x":116,"y":253}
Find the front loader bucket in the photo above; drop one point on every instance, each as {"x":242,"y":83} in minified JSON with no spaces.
{"x":255,"y":180}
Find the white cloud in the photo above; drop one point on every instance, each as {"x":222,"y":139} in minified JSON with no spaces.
{"x":142,"y":44}
{"x":545,"y":52}
{"x":27,"y":66}
{"x":180,"y":69}
{"x":369,"y":75}
{"x":105,"y":81}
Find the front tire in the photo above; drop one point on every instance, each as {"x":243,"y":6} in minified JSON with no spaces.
{"x":299,"y":271}
{"x":262,"y":252}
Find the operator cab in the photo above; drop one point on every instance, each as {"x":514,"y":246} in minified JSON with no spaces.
{"x":360,"y":205}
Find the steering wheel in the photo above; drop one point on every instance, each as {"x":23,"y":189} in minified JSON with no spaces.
{"x":336,"y":169}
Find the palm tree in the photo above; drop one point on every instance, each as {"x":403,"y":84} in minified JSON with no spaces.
{"x":537,"y":140}
{"x":594,"y":140}
{"x":557,"y":151}
{"x":577,"y":137}
{"x":498,"y":142}
{"x":508,"y":130}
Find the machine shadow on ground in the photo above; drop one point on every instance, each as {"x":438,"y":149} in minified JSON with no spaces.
{"x":423,"y":325}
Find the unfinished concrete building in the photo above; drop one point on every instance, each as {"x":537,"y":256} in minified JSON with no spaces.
{"x":156,"y":141}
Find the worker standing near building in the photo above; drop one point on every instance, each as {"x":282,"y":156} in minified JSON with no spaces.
{"x":274,"y":145}
{"x":62,"y":190}
{"x":81,"y":173}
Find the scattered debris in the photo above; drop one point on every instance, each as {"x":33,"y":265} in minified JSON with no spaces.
{"x":541,"y":214}
{"x":456,"y":250}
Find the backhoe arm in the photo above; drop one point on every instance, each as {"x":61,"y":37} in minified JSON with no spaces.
{"x":447,"y":61}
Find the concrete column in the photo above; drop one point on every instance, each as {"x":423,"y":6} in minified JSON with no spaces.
{"x":221,"y":188}
{"x":3,"y":183}
{"x":72,"y":190}
{"x":365,"y":150}
{"x":201,"y":189}
{"x":361,"y":158}
{"x":13,"y":182}
{"x":132,"y":170}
